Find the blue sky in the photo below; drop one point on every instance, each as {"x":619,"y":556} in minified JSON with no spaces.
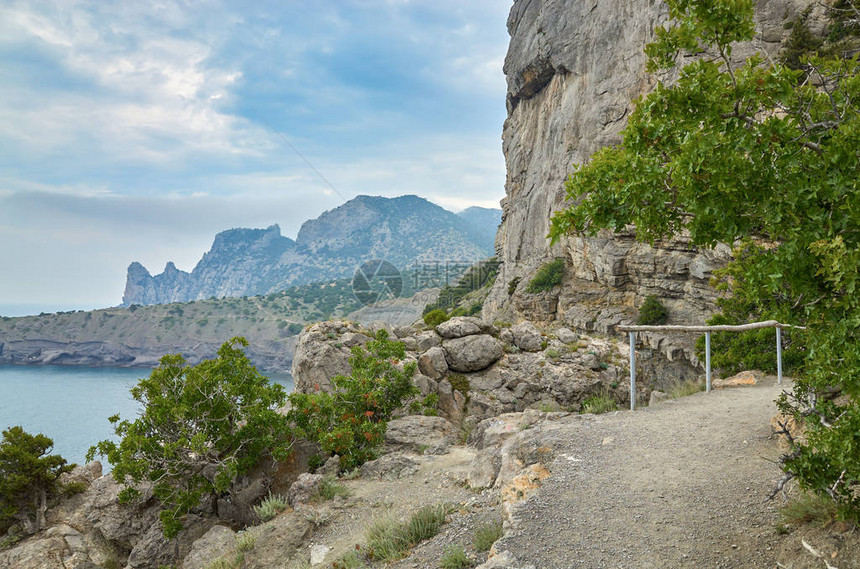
{"x":135,"y":131}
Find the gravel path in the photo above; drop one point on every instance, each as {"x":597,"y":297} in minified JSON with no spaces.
{"x":683,"y":484}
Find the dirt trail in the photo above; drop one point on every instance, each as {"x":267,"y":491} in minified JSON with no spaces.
{"x":683,"y":484}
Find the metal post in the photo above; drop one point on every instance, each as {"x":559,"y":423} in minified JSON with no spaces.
{"x":778,"y":354}
{"x":632,"y":371}
{"x":708,"y":362}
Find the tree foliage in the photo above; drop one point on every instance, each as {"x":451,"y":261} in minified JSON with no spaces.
{"x":199,"y":428}
{"x":29,"y":477}
{"x":760,"y":152}
{"x":351,"y":420}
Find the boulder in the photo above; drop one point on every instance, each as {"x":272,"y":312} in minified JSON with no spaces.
{"x":451,"y":402}
{"x":425,"y":384}
{"x":390,"y":466}
{"x":590,"y":361}
{"x":472,"y":353}
{"x":320,"y":355}
{"x":566,"y":336}
{"x":404,"y":331}
{"x":418,"y":433}
{"x":212,"y":545}
{"x":657,"y":397}
{"x":427,"y":340}
{"x":154,"y":551}
{"x":84,"y":474}
{"x":433,"y":364}
{"x":527,"y":337}
{"x":460,"y":326}
{"x":304,"y":489}
{"x":743,"y":379}
{"x":485,"y":468}
{"x":331,"y":466}
{"x":279,"y":540}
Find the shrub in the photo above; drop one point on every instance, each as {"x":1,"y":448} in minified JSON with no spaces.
{"x":807,"y":508}
{"x":547,"y":277}
{"x":270,"y":507}
{"x":330,"y":487}
{"x":455,"y":558}
{"x":351,"y":420}
{"x":200,"y":427}
{"x":487,"y":534}
{"x":435,"y":317}
{"x":29,"y":477}
{"x":652,"y":312}
{"x":598,"y":404}
{"x":513,"y":284}
{"x":388,"y":539}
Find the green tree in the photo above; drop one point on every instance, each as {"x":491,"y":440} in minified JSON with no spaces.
{"x":29,"y":477}
{"x":200,"y":427}
{"x":351,"y":420}
{"x":751,"y":151}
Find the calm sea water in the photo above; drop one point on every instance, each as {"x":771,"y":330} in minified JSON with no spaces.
{"x":71,"y":404}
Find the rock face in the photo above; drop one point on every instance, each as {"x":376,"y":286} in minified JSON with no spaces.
{"x":572,"y":69}
{"x":244,"y":262}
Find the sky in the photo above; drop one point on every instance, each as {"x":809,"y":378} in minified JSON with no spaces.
{"x":136,"y":131}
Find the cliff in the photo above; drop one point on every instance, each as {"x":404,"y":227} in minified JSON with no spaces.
{"x":243,"y":262}
{"x":573,"y":68}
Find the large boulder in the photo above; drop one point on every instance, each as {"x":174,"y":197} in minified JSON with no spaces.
{"x":390,"y":466}
{"x":419,"y":433}
{"x":460,"y":326}
{"x":323,"y":352}
{"x":527,"y":337}
{"x":472,"y":353}
{"x":433,"y":364}
{"x":427,"y":340}
{"x":212,"y":545}
{"x":279,"y":540}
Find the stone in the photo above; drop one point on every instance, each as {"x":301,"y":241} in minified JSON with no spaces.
{"x":402,"y":332}
{"x":527,"y":337}
{"x":485,"y":468}
{"x":331,"y":467}
{"x":304,"y":489}
{"x":318,"y":358}
{"x":419,"y":432}
{"x":425,"y":385}
{"x":433,"y":364}
{"x":451,"y":402}
{"x":506,"y":337}
{"x":742,"y":379}
{"x":84,"y":474}
{"x":427,"y":340}
{"x":318,"y":553}
{"x":213,"y":544}
{"x":657,"y":397}
{"x":566,"y":336}
{"x":460,"y":326}
{"x":390,"y":466}
{"x":279,"y":539}
{"x":591,"y":361}
{"x":472,"y":353}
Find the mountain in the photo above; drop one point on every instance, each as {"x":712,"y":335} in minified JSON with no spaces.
{"x":404,"y":231}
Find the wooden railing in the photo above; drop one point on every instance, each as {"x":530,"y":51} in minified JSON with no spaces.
{"x":707,"y":331}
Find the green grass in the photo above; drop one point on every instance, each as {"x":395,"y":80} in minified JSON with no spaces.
{"x":389,"y":539}
{"x":808,"y":508}
{"x":455,"y":558}
{"x":351,"y":560}
{"x":547,"y":277}
{"x":598,"y":404}
{"x":330,"y":488}
{"x":270,"y":507}
{"x":487,"y":534}
{"x":685,"y":388}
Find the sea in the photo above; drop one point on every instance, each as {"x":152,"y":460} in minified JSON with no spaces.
{"x":71,"y":404}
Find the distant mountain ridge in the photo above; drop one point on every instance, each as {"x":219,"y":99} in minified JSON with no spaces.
{"x":246,"y":262}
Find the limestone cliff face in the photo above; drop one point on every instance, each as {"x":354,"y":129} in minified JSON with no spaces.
{"x":573,"y":67}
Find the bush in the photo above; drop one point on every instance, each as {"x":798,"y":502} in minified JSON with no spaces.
{"x":435,"y":317}
{"x":29,"y":477}
{"x":352,"y":419}
{"x":388,"y":539}
{"x":200,"y":427}
{"x":652,"y":312}
{"x":598,"y":404}
{"x":270,"y":507}
{"x":513,"y":284}
{"x":330,"y":488}
{"x":487,"y":534}
{"x":455,"y":558}
{"x":547,"y":277}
